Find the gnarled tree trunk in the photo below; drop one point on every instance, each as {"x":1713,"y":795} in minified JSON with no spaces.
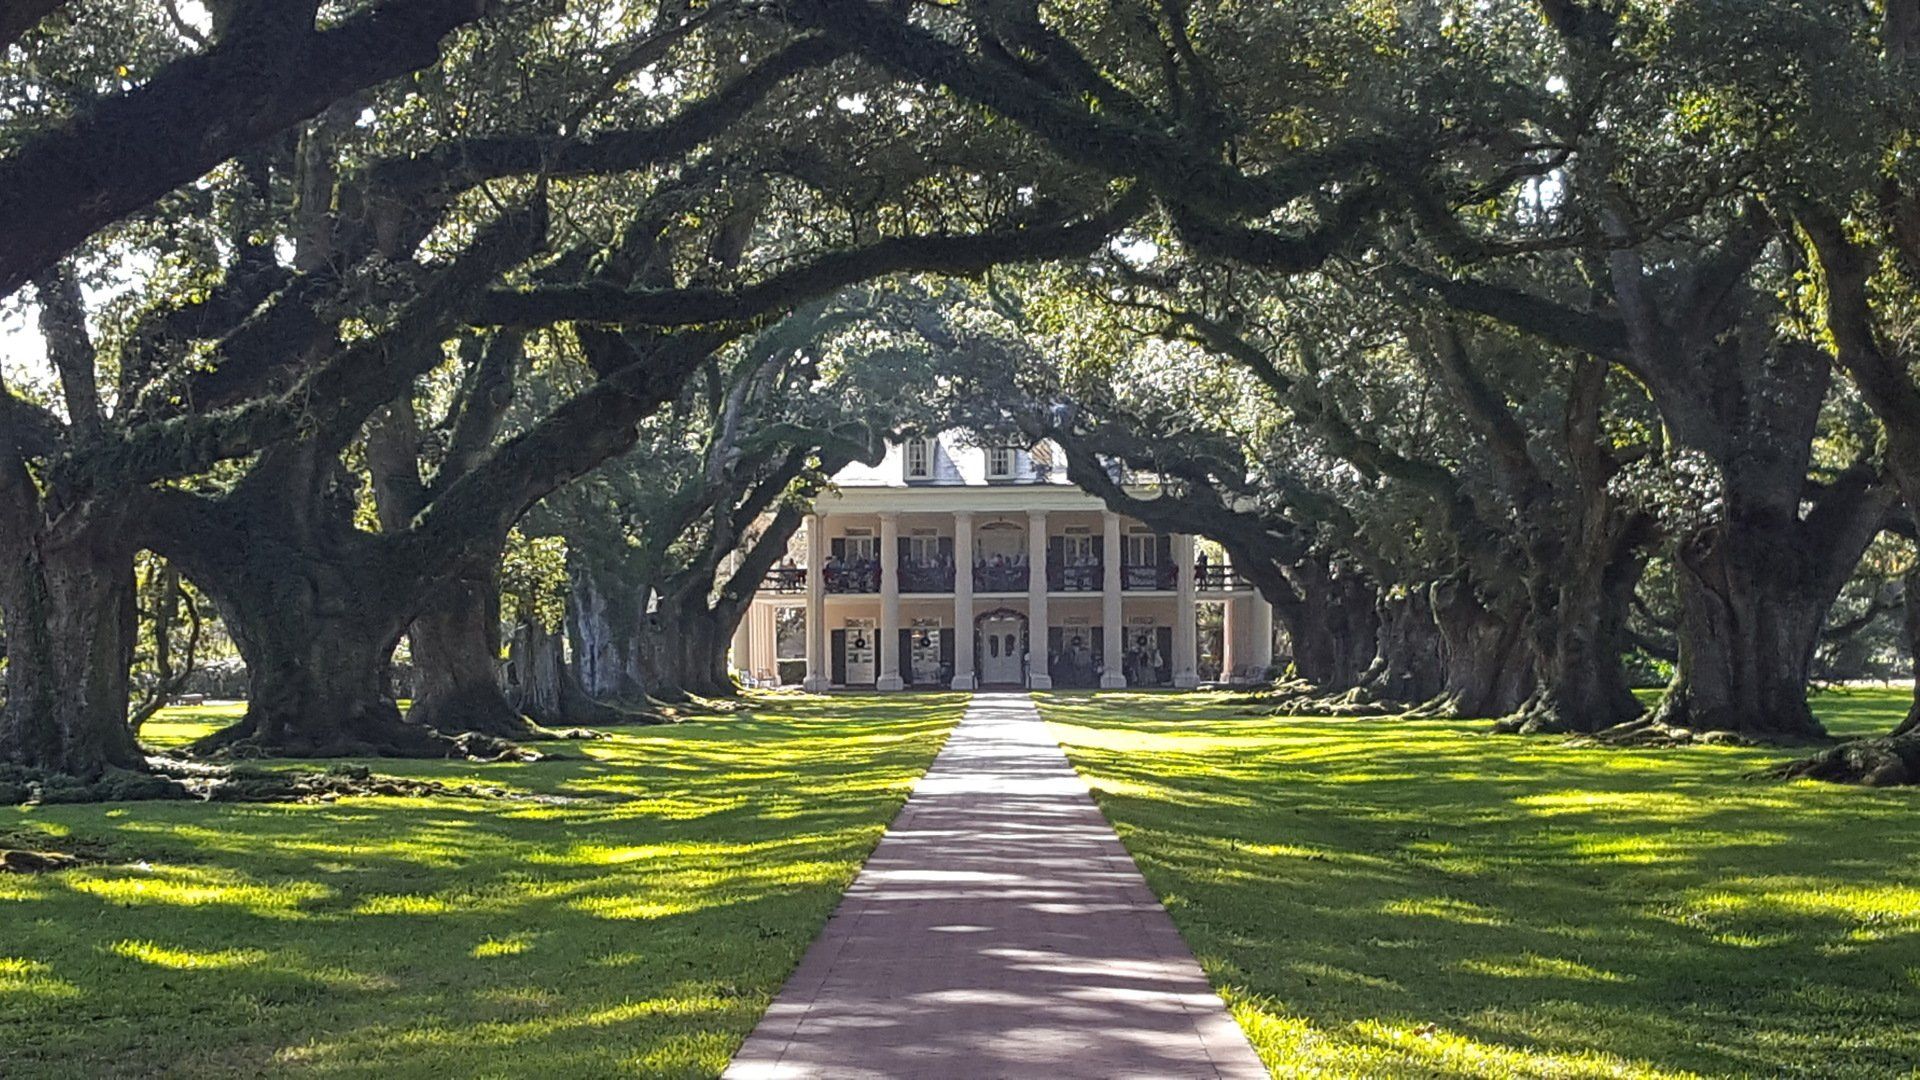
{"x":311,"y":603}
{"x":456,"y":657}
{"x":1750,"y":616}
{"x":66,"y":600}
{"x":1488,"y":671}
{"x":1408,"y":666}
{"x":603,"y":624}
{"x":542,"y":686}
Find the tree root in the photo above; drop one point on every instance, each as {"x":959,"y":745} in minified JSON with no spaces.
{"x":364,"y":737}
{"x":173,"y":778}
{"x":19,"y":861}
{"x":1299,"y":698}
{"x":1893,"y":761}
{"x":1650,"y":731}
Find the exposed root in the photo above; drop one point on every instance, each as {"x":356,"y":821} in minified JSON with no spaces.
{"x":1299,"y":698}
{"x":18,"y":861}
{"x":1651,"y":731}
{"x":485,"y":712}
{"x":24,"y":786}
{"x":1892,"y":761}
{"x":173,"y":778}
{"x":363,"y":737}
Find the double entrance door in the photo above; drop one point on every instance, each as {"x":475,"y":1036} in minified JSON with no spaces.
{"x":1000,"y":650}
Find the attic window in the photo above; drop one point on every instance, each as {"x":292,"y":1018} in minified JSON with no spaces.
{"x":919,"y":459}
{"x":999,"y":462}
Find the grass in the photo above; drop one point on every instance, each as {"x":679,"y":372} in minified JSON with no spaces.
{"x":1383,"y":898}
{"x":639,"y":927}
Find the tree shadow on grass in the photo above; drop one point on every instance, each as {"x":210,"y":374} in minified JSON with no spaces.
{"x":639,"y":929}
{"x":1394,"y":898}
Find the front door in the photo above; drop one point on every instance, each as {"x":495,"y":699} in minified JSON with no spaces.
{"x":923,"y":656}
{"x":860,"y":656}
{"x":1000,"y":651}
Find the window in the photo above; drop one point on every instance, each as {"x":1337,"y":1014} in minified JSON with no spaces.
{"x":1082,"y":548}
{"x":1142,"y":549}
{"x":999,"y":462}
{"x":923,"y":548}
{"x":919,"y":459}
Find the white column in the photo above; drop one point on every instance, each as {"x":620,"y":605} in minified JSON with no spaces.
{"x":1112,"y":634}
{"x":963,"y":676}
{"x":743,"y":642}
{"x":765,"y":653}
{"x":1185,"y":638}
{"x":1037,"y":676}
{"x":819,"y":669}
{"x":1233,"y":624}
{"x":1262,"y":657}
{"x":889,"y":604}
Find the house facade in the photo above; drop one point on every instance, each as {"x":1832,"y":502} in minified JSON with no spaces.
{"x":952,"y":564}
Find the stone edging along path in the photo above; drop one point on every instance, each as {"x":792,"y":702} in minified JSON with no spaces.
{"x":999,"y":930}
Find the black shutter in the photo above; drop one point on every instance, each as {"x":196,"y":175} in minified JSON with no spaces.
{"x":905,"y":544}
{"x":839,"y":548}
{"x":1163,"y":636}
{"x":839,"y":667}
{"x":946,"y":549}
{"x":906,"y":657}
{"x":1056,"y":551}
{"x":1163,"y":549}
{"x":1100,"y":552}
{"x":1099,"y":647}
{"x":1056,"y":640}
{"x":879,"y":656}
{"x":946,"y":657}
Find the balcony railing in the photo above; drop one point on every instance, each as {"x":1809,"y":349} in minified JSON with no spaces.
{"x":1217,"y":578}
{"x":1085,"y":577}
{"x":786,"y":580}
{"x":926,"y":577}
{"x":1149,"y":577}
{"x":1000,"y":577}
{"x":855,"y":578}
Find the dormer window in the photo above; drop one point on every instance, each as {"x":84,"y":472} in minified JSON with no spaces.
{"x":919,"y":459}
{"x":999,"y":462}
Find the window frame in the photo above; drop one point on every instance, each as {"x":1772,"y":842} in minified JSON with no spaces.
{"x":1012,"y":462}
{"x":923,"y":448}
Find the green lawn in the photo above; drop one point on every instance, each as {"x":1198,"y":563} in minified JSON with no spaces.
{"x":637,"y":928}
{"x":1380,"y":898}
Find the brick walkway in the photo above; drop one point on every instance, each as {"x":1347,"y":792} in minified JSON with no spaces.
{"x":1000,"y":930}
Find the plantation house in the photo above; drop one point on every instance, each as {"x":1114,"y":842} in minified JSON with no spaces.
{"x":956,"y":565}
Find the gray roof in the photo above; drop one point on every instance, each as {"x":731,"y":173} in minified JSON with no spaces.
{"x":959,"y":460}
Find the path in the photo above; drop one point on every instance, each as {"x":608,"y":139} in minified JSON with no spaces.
{"x":999,"y":930}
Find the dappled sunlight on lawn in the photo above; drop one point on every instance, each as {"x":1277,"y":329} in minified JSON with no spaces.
{"x":1389,"y":898}
{"x":639,"y":926}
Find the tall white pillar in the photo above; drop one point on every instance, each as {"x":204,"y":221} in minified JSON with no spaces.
{"x":1112,"y":634}
{"x":963,"y":676}
{"x":1233,"y":624}
{"x":743,"y":644}
{"x":819,"y":672}
{"x":1037,"y":676}
{"x":889,"y":604}
{"x":1262,"y":657}
{"x":1185,"y":634}
{"x":765,"y":652}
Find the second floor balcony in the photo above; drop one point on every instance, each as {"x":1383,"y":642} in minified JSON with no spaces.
{"x":785,"y":581}
{"x":1149,"y":577}
{"x":1000,"y":577}
{"x":862,"y":576}
{"x":1217,"y":579}
{"x":926,"y":577}
{"x":1077,"y":577}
